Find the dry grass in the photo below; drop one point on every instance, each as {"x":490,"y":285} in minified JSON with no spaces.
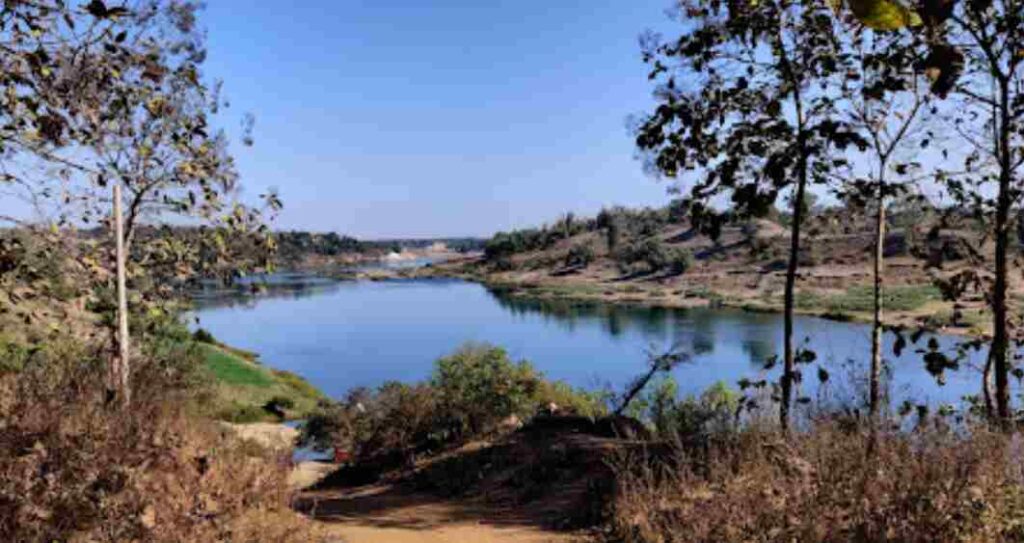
{"x":825,"y":486}
{"x":73,"y":468}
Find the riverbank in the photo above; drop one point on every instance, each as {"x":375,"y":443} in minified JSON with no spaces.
{"x":835,"y":293}
{"x":245,"y":390}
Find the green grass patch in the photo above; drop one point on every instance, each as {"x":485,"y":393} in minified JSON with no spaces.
{"x":860,"y":299}
{"x":243,"y":387}
{"x":231,"y":369}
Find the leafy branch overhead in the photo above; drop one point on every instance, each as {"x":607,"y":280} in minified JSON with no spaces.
{"x":97,"y":93}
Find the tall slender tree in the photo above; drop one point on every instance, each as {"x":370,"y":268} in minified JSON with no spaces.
{"x":975,"y":59}
{"x":888,"y":102}
{"x":747,"y":114}
{"x":95,"y":94}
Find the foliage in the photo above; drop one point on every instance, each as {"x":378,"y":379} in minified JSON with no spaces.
{"x":478,"y":386}
{"x":576,"y":401}
{"x":97,"y":95}
{"x":619,"y":224}
{"x":747,"y":112}
{"x":294,"y":245}
{"x":679,"y":260}
{"x":712,"y":413}
{"x":202,"y":335}
{"x":505,"y":244}
{"x":474,"y":391}
{"x":580,"y":255}
{"x":974,"y":63}
{"x":653,"y":254}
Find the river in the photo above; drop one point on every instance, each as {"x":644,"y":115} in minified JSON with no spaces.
{"x":363,"y":333}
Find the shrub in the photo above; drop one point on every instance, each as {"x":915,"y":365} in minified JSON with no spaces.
{"x":713,"y":413}
{"x":615,"y":233}
{"x":572,"y":401}
{"x":580,"y":255}
{"x":680,"y":260}
{"x":503,"y":263}
{"x":650,"y":252}
{"x":202,"y":335}
{"x":471,"y":392}
{"x":479,"y":385}
{"x":278,"y":406}
{"x":395,"y":420}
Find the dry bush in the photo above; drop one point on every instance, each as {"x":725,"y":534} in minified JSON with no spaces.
{"x":73,"y":468}
{"x":824,"y":486}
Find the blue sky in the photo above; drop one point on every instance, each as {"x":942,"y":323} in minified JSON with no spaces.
{"x":425,"y":118}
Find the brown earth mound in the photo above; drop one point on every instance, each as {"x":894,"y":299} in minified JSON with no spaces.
{"x":546,"y":482}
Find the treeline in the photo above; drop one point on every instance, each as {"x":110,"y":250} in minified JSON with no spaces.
{"x":294,"y":245}
{"x":458,"y":245}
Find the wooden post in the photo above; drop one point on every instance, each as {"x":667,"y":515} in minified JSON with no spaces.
{"x":121,"y":366}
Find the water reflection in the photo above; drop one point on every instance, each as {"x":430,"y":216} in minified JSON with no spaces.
{"x":248,"y":294}
{"x":694,"y":330}
{"x":718,"y":338}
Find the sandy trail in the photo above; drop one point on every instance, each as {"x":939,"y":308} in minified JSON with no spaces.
{"x":386,"y":514}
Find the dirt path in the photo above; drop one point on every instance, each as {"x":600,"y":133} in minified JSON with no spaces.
{"x":385,"y":514}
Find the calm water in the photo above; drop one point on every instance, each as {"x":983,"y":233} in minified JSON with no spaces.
{"x":352,"y":334}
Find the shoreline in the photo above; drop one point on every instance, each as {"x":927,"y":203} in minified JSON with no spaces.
{"x":628,"y":294}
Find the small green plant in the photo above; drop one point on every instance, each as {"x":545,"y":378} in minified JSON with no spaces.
{"x":710,"y":413}
{"x":591,"y":404}
{"x":279,"y":406}
{"x":202,"y":335}
{"x":580,"y":255}
{"x":680,"y":261}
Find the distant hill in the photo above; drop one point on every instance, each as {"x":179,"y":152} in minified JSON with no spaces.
{"x":655,"y":257}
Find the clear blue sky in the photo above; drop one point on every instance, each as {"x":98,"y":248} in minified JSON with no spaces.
{"x":384,"y":118}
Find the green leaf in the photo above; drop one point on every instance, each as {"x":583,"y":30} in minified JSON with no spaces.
{"x":884,"y":14}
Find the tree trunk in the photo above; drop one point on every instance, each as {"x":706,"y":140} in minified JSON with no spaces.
{"x":1000,"y":333}
{"x":986,"y":387}
{"x":875,"y":393}
{"x":120,"y":370}
{"x":789,"y":298}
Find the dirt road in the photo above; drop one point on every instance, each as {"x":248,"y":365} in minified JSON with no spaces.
{"x":385,"y":514}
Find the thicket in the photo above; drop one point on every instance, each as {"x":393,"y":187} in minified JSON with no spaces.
{"x":580,"y":255}
{"x":294,"y":245}
{"x":73,"y":467}
{"x":471,"y":393}
{"x":652,"y":255}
